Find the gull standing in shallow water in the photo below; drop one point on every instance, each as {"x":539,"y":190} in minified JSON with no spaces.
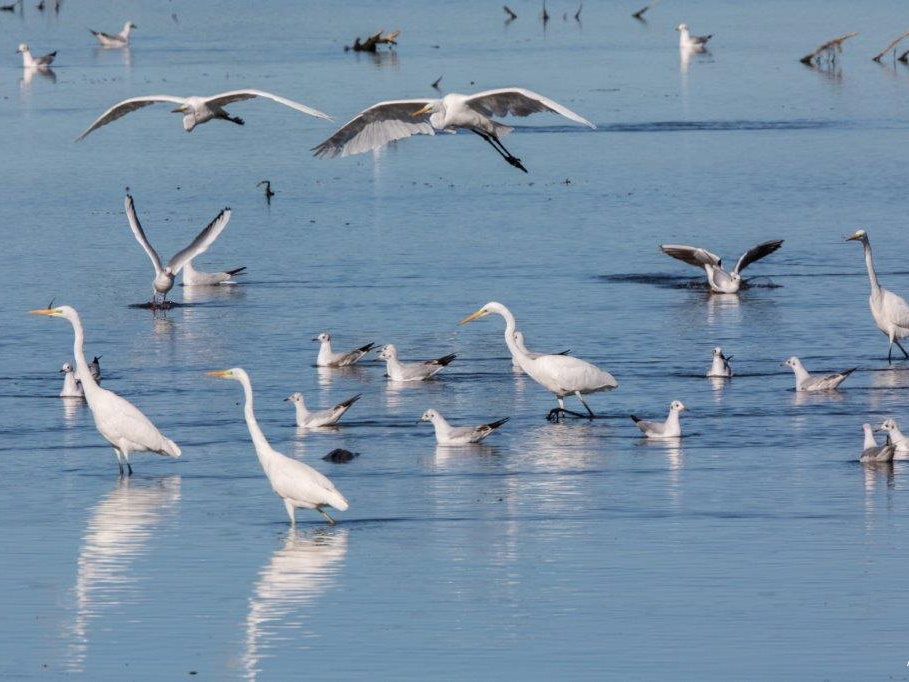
{"x":806,"y":382}
{"x":165,"y":274}
{"x":298,"y":484}
{"x":117,"y":420}
{"x":446,"y":434}
{"x":395,"y":120}
{"x":671,"y":428}
{"x":328,"y":358}
{"x":890,"y":312}
{"x":872,"y":452}
{"x":72,"y":387}
{"x":562,"y":375}
{"x":720,"y":281}
{"x":411,"y":371}
{"x":30,"y":62}
{"x":195,"y":278}
{"x":329,"y":417}
{"x":120,"y":39}
{"x":196,"y":110}
{"x":690,"y":42}
{"x":892,"y":429}
{"x":720,"y":366}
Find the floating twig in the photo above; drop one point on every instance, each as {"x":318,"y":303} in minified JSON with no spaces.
{"x":889,"y":47}
{"x":830,"y":49}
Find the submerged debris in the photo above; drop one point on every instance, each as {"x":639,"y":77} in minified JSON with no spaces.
{"x":827,"y":51}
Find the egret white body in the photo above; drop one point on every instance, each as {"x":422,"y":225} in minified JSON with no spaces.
{"x":446,"y":434}
{"x":298,"y":484}
{"x":671,"y":428}
{"x":720,"y":281}
{"x":900,"y":442}
{"x":872,"y":452}
{"x":307,"y":419}
{"x":31,"y":62}
{"x":690,"y":42}
{"x":120,"y":39}
{"x":196,"y":110}
{"x":411,"y":371}
{"x":120,"y":422}
{"x":72,"y":387}
{"x":328,"y":358}
{"x":196,"y":278}
{"x":720,"y":366}
{"x":562,"y":375}
{"x":805,"y":382}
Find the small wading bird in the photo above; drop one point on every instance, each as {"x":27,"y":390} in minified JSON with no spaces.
{"x":196,"y":110}
{"x":328,"y":358}
{"x":872,"y":452}
{"x":195,"y":278}
{"x":298,"y":484}
{"x":806,"y":382}
{"x":411,"y":371}
{"x":446,"y":434}
{"x":890,"y":312}
{"x":395,"y":120}
{"x":562,"y":375}
{"x":72,"y":387}
{"x":720,"y":366}
{"x":165,"y":274}
{"x":117,"y":420}
{"x":120,"y":39}
{"x":671,"y":428}
{"x":311,"y":420}
{"x":892,"y":429}
{"x":30,"y":62}
{"x":720,"y":281}
{"x":690,"y":42}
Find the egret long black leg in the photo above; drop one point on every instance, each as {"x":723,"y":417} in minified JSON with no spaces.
{"x":499,"y":147}
{"x":897,"y":342}
{"x":589,"y":411}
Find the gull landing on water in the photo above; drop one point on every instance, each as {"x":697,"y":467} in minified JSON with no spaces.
{"x":329,"y":417}
{"x":806,"y":382}
{"x":872,"y":452}
{"x":386,"y":122}
{"x":671,"y":428}
{"x":720,"y":366}
{"x":120,"y":39}
{"x":690,"y":42}
{"x":328,"y":358}
{"x":197,"y":110}
{"x":720,"y":281}
{"x":446,"y":434}
{"x":30,"y":62}
{"x":411,"y":371}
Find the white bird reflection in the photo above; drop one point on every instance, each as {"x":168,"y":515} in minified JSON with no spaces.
{"x":117,"y":534}
{"x":71,"y":409}
{"x":327,"y":375}
{"x":723,"y":308}
{"x":29,"y":74}
{"x":303,"y":569}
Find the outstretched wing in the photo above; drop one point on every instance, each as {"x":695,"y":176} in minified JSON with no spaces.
{"x":121,"y":109}
{"x":201,"y":243}
{"x":376,"y":126}
{"x":226,"y":98}
{"x":520,"y":102}
{"x":756,"y":253}
{"x":693,"y":255}
{"x":140,"y":234}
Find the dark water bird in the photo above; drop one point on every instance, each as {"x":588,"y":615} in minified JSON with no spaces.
{"x":268,"y":193}
{"x":371,"y":44}
{"x":340,"y":456}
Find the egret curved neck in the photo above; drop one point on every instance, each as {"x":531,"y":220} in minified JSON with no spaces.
{"x":89,"y":385}
{"x":510,"y":326}
{"x":258,"y":438}
{"x":869,"y":263}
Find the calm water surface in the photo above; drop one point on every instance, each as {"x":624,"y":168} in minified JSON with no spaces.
{"x":756,"y":546}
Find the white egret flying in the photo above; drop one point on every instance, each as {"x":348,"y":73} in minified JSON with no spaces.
{"x":196,"y":278}
{"x":165,"y":274}
{"x":72,"y":387}
{"x":196,"y":110}
{"x":446,"y":434}
{"x":872,"y":452}
{"x":394,"y":120}
{"x":671,"y":428}
{"x":806,"y":382}
{"x":328,"y":358}
{"x":720,"y":281}
{"x":890,"y":312}
{"x":720,"y":366}
{"x":690,"y":42}
{"x":307,"y":419}
{"x":120,"y":39}
{"x":117,"y":420}
{"x":411,"y":371}
{"x":30,"y":62}
{"x":562,"y":375}
{"x":298,"y":484}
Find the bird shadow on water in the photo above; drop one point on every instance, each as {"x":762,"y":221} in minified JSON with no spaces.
{"x":681,"y":282}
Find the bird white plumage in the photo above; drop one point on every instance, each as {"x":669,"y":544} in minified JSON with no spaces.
{"x":562,"y":375}
{"x":805,"y":382}
{"x":720,"y":366}
{"x":671,"y":428}
{"x":720,"y":281}
{"x":298,"y":484}
{"x":872,"y":452}
{"x":196,"y":278}
{"x":446,"y":434}
{"x":120,"y":39}
{"x":411,"y":371}
{"x":317,"y":418}
{"x":328,"y":358}
{"x":31,"y":62}
{"x":690,"y":42}
{"x":120,"y":422}
{"x":196,"y":110}
{"x":900,"y":442}
{"x":72,"y":387}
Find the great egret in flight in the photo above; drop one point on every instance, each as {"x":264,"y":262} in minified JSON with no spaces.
{"x":806,"y":382}
{"x":307,"y":419}
{"x":386,"y":122}
{"x":720,"y":281}
{"x":120,"y":39}
{"x":671,"y":428}
{"x":196,"y":110}
{"x":560,"y":374}
{"x":328,"y":358}
{"x":165,"y":274}
{"x":117,"y":420}
{"x":411,"y":371}
{"x":298,"y":484}
{"x":446,"y":434}
{"x":890,"y":312}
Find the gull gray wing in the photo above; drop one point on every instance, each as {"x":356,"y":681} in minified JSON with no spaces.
{"x":755,"y":253}
{"x":202,"y":241}
{"x":121,"y":109}
{"x":139,"y":233}
{"x":375,"y":127}
{"x":225,"y":98}
{"x":520,"y":102}
{"x":693,"y":255}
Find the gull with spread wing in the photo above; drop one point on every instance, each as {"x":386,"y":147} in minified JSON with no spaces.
{"x":720,"y":281}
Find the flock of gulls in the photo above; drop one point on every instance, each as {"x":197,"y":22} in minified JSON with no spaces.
{"x":129,"y":431}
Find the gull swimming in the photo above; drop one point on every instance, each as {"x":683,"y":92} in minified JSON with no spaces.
{"x":72,"y":387}
{"x":872,"y":452}
{"x":120,"y":422}
{"x":690,"y":42}
{"x":671,"y":428}
{"x":720,"y":366}
{"x":165,"y":274}
{"x":411,"y":371}
{"x":328,"y":358}
{"x":562,"y":375}
{"x":900,"y":442}
{"x":298,"y":484}
{"x":95,"y":367}
{"x":720,"y":281}
{"x":890,"y":312}
{"x":329,"y":417}
{"x":386,"y":122}
{"x":197,"y":110}
{"x":806,"y":382}
{"x":30,"y":62}
{"x":195,"y":278}
{"x":446,"y":434}
{"x":120,"y":39}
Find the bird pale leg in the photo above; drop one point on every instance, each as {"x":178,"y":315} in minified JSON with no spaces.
{"x":290,"y":512}
{"x":119,"y":461}
{"x":324,"y":513}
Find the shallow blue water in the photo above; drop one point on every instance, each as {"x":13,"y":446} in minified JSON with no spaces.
{"x":755,"y":546}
